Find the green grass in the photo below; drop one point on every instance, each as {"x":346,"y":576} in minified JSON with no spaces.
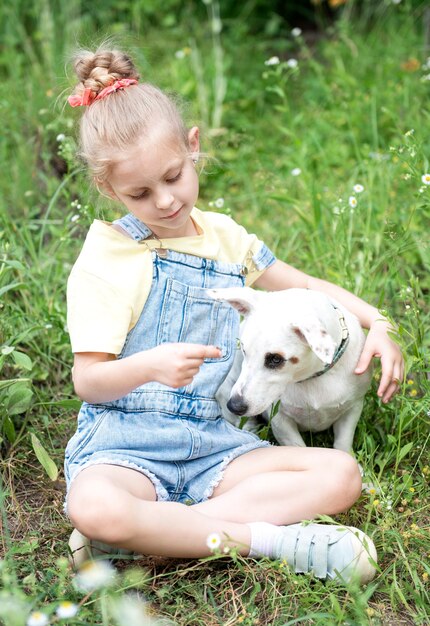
{"x":344,"y":116}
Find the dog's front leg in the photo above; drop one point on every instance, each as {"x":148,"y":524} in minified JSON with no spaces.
{"x":285,"y":430}
{"x":344,"y":427}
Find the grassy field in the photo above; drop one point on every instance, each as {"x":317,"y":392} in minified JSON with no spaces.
{"x":340,"y":105}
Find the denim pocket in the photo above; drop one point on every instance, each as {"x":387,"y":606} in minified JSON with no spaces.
{"x":189,"y":315}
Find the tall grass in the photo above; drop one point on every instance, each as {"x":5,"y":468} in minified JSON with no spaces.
{"x":352,"y":111}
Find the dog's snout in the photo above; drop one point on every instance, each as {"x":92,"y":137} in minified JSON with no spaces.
{"x":237,"y":405}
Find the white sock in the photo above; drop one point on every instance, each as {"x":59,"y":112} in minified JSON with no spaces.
{"x":263,"y":539}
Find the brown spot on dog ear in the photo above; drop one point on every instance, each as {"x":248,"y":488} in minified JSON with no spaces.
{"x":294,"y":360}
{"x":299,"y":334}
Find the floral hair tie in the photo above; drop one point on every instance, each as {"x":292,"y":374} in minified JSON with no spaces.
{"x":88,"y":96}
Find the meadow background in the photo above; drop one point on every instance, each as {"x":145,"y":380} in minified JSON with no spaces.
{"x":291,"y":121}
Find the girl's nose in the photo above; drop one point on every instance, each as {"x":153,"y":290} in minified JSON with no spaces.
{"x":164,"y":200}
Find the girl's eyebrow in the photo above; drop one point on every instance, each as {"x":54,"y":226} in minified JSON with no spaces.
{"x":171,"y":167}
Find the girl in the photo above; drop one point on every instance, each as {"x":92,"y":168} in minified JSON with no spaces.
{"x":153,"y":467}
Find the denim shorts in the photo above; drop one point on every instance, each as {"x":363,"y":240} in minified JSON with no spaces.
{"x":184,"y":457}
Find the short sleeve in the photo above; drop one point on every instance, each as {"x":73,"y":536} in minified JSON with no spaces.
{"x":98,"y":316}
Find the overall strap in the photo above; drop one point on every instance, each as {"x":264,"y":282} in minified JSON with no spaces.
{"x":134,"y":227}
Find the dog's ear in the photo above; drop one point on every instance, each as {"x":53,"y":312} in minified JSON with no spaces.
{"x":243,"y":299}
{"x":310,"y":331}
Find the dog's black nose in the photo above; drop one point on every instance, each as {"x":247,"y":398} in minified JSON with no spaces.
{"x":237,"y":405}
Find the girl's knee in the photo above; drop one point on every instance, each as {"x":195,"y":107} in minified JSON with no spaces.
{"x":94,"y":511}
{"x":346,"y":478}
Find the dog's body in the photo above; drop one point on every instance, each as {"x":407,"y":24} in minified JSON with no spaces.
{"x":300,"y":347}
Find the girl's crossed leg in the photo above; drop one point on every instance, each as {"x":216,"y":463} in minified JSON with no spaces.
{"x":279,"y":485}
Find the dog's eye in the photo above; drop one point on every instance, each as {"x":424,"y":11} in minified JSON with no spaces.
{"x":273,"y":360}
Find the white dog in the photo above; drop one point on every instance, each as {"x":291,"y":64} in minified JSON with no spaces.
{"x":300,"y":347}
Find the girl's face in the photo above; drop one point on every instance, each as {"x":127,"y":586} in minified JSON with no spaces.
{"x":158,"y":183}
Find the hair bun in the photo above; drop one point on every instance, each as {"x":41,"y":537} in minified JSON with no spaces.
{"x":97,"y":70}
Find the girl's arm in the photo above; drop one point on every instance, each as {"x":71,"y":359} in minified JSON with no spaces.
{"x":378,"y":342}
{"x":101,"y":377}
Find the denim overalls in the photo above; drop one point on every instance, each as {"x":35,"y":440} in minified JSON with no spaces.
{"x":175,"y":437}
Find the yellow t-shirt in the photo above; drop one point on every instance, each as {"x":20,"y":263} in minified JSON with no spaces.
{"x":111,"y":279}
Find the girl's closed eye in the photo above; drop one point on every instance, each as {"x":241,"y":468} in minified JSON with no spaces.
{"x":145,"y":192}
{"x":174,"y":178}
{"x":141,"y":195}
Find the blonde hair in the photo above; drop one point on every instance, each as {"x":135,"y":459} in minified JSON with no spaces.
{"x":114,"y":123}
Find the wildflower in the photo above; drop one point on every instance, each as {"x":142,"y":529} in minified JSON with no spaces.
{"x":396,"y":1}
{"x":61,"y":137}
{"x":94,"y":575}
{"x":219,"y":203}
{"x":412,"y":489}
{"x":413,"y":393}
{"x":425,"y":577}
{"x":74,"y":218}
{"x":37,"y":619}
{"x":48,"y":326}
{"x":426,"y":179}
{"x":411,"y":65}
{"x":352,"y":201}
{"x":226,"y":550}
{"x":296,"y":171}
{"x":272,"y":61}
{"x":180,"y":54}
{"x":292,"y":63}
{"x":409,"y":133}
{"x":376,"y":502}
{"x":296,"y":32}
{"x":66,"y":610}
{"x":213,"y":541}
{"x":358,"y":188}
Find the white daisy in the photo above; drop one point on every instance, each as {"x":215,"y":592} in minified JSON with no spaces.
{"x":358,"y":188}
{"x":296,"y":32}
{"x":37,"y":619}
{"x":219,"y":203}
{"x":292,"y":63}
{"x":94,"y":575}
{"x":213,"y":541}
{"x":66,"y":610}
{"x":296,"y":171}
{"x":352,"y":201}
{"x":61,"y":137}
{"x":272,"y":61}
{"x":426,"y":179}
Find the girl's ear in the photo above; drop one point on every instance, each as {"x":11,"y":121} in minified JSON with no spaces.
{"x":105,"y":189}
{"x":193,"y":139}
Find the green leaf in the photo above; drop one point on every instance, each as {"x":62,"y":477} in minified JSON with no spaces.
{"x":67,"y":404}
{"x":404,"y":451}
{"x":11,"y":286}
{"x":19,"y":399}
{"x":44,"y":459}
{"x":12,"y":381}
{"x":9,"y":429}
{"x":22,"y":360}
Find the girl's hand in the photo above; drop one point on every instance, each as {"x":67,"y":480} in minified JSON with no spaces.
{"x":176,"y":364}
{"x":379,"y":344}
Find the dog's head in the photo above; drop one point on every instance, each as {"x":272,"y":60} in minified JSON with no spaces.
{"x":283,"y":341}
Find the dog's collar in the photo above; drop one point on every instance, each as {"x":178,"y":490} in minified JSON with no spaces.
{"x":340,"y":349}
